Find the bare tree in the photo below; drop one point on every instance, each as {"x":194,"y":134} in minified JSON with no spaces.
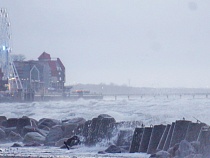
{"x":17,"y":57}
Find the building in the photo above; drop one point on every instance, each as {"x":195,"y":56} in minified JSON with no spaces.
{"x":44,"y":74}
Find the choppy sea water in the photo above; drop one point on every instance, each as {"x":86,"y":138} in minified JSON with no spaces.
{"x":148,"y":109}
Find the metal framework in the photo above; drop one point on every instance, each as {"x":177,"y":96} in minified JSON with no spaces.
{"x":6,"y":64}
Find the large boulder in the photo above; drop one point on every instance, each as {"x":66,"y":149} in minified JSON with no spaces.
{"x":73,"y":126}
{"x":100,"y":128}
{"x":48,"y":122}
{"x":60,"y":142}
{"x":33,"y":137}
{"x":2,"y":118}
{"x":55,"y":134}
{"x":15,"y":137}
{"x":22,"y":122}
{"x":2,"y":134}
{"x":11,"y":122}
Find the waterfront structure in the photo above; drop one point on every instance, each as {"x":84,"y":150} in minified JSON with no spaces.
{"x":42,"y":75}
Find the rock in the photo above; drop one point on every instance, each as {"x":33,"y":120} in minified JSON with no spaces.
{"x":22,"y":122}
{"x":2,"y":118}
{"x":100,"y":128}
{"x":27,"y":129}
{"x":113,"y":149}
{"x":161,"y":154}
{"x":75,"y":140}
{"x":2,"y":134}
{"x":34,"y":137}
{"x":185,"y":149}
{"x":86,"y":128}
{"x":48,"y":122}
{"x":15,"y":137}
{"x":73,"y":126}
{"x":11,"y":122}
{"x":69,"y":129}
{"x":10,"y":129}
{"x":55,"y":134}
{"x":16,"y":145}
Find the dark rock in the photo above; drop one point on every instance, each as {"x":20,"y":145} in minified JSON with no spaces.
{"x":100,"y":128}
{"x":15,"y":137}
{"x":2,"y":118}
{"x":48,"y":122}
{"x":101,"y":152}
{"x":63,"y":146}
{"x":55,"y":134}
{"x":33,"y":137}
{"x":72,"y":141}
{"x":10,"y":129}
{"x":86,"y":129}
{"x":2,"y":134}
{"x":22,"y":122}
{"x":16,"y":145}
{"x":27,"y":129}
{"x":11,"y":122}
{"x":69,"y":129}
{"x":113,"y":149}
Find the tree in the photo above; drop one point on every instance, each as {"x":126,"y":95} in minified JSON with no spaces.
{"x":17,"y":57}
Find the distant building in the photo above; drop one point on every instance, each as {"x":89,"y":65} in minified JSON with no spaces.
{"x":42,"y":74}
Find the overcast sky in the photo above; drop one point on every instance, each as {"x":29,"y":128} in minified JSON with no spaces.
{"x":147,"y":43}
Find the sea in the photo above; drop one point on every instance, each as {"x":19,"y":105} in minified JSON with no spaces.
{"x":151,"y":110}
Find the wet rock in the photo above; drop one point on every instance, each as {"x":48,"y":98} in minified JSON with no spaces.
{"x":48,"y":122}
{"x":73,"y":126}
{"x":113,"y":149}
{"x":55,"y":134}
{"x":16,"y":145}
{"x":11,"y":122}
{"x":2,"y":118}
{"x":10,"y":129}
{"x":185,"y":149}
{"x":2,"y":134}
{"x":100,"y":128}
{"x":33,"y":137}
{"x":86,"y":129}
{"x":22,"y":122}
{"x":27,"y":129}
{"x":69,"y":129}
{"x":161,"y":154}
{"x":15,"y":137}
{"x":196,"y":145}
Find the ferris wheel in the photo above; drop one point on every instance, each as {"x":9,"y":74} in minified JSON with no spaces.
{"x":5,"y":49}
{"x":7,"y":67}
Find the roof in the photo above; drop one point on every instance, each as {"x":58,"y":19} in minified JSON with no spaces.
{"x":44,"y":56}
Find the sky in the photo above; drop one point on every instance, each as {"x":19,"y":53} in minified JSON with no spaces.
{"x":141,"y":43}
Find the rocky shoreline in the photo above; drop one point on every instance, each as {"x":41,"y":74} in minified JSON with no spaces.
{"x":181,"y":139}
